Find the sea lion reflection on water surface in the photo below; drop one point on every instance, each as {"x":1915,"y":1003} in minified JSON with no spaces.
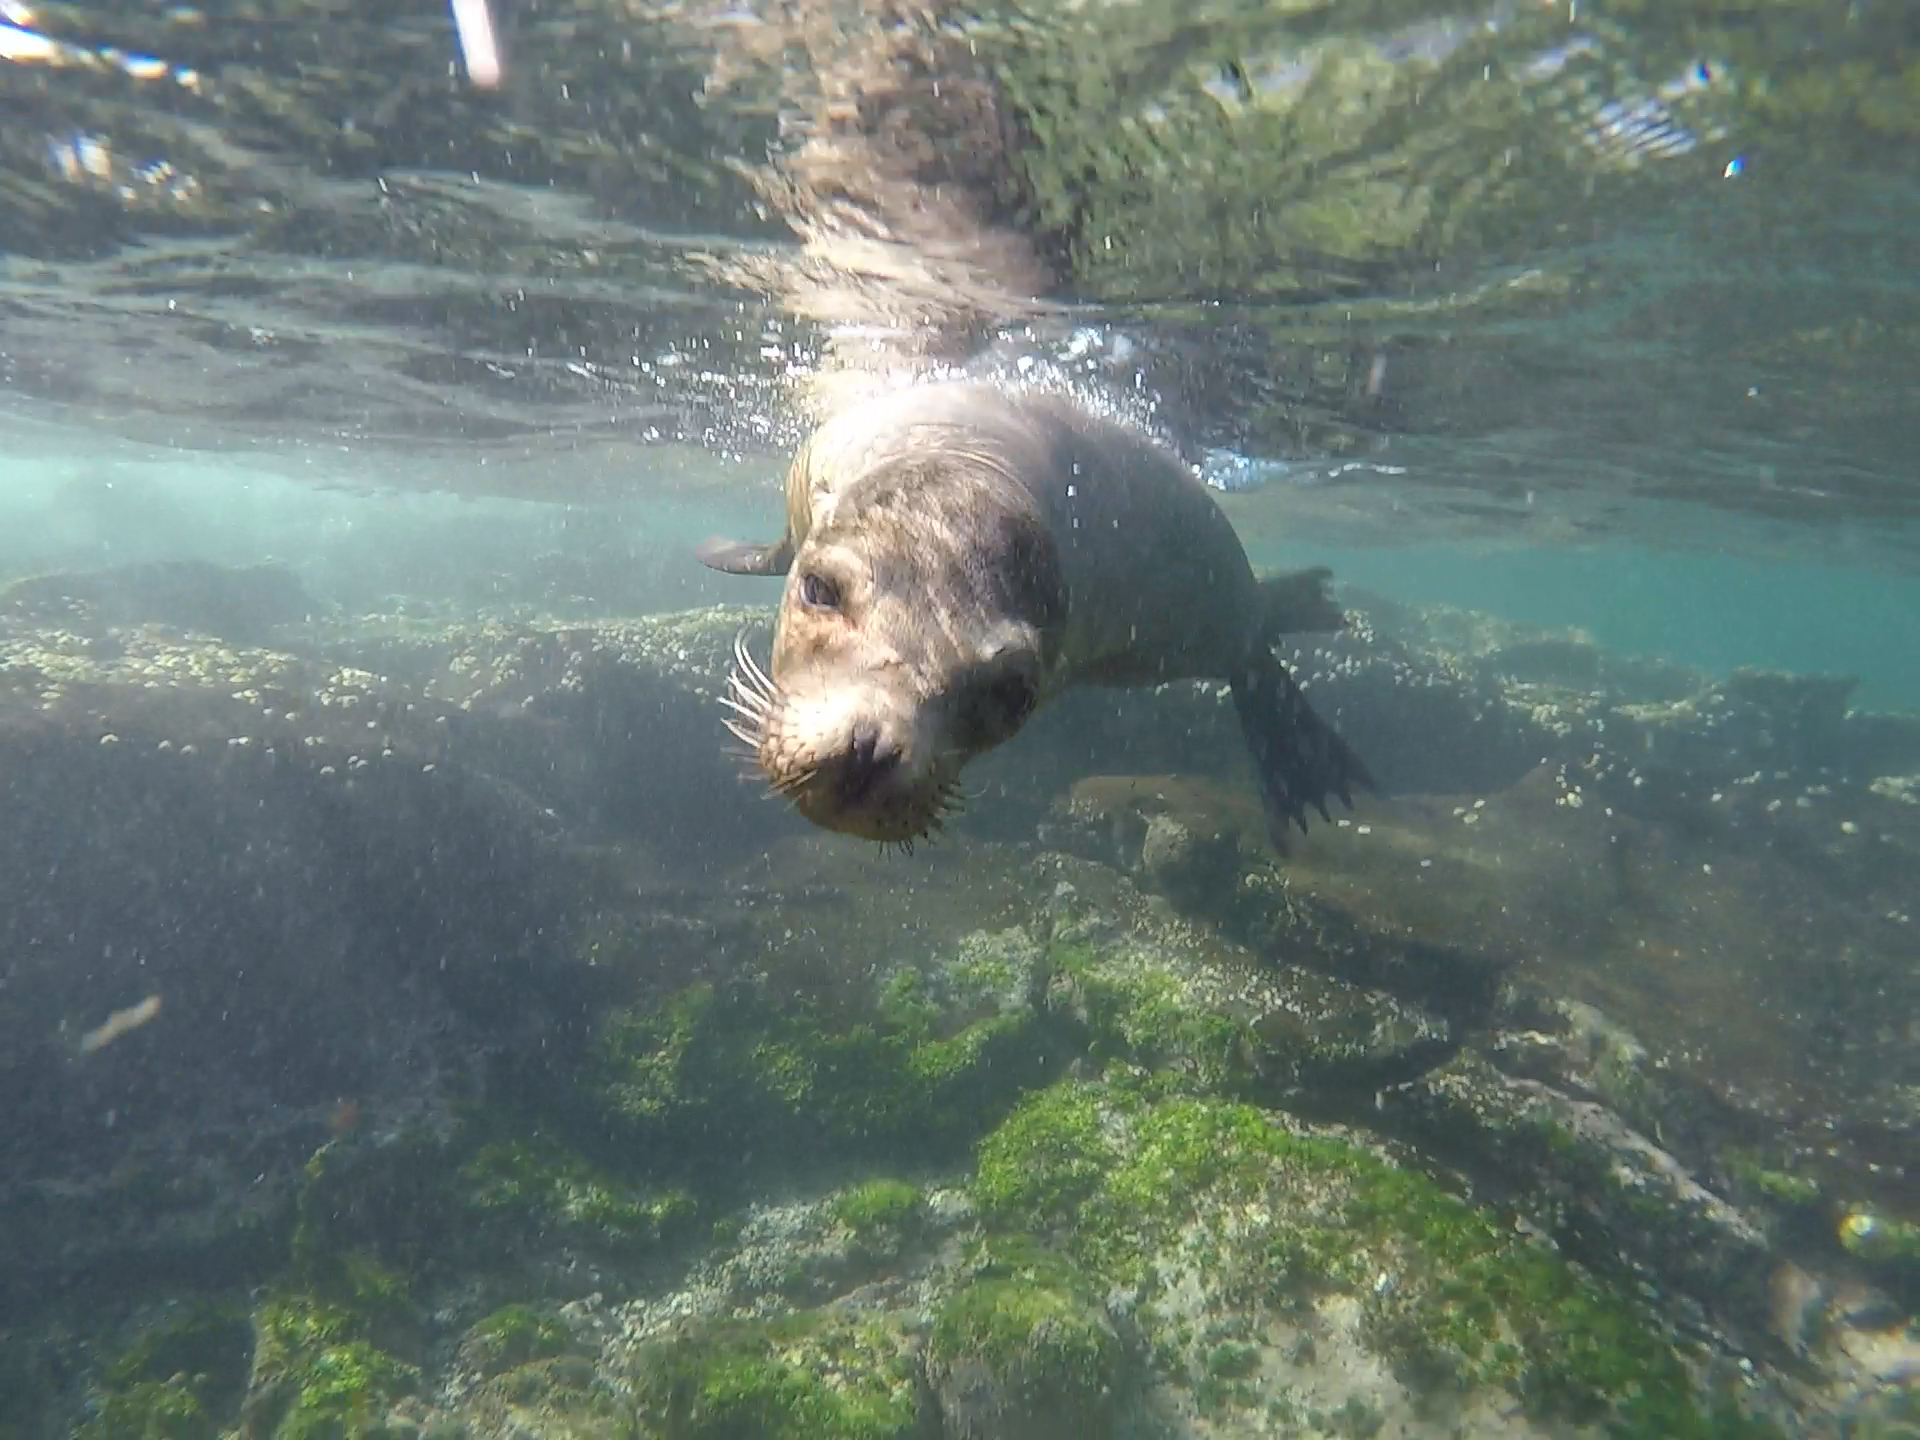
{"x":956,"y":556}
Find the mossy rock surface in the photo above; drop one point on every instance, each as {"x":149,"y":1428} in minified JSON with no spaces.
{"x":515,"y":1335}
{"x":181,"y":1378}
{"x":1584,"y":1174}
{"x":811,"y":1375}
{"x":1225,"y":1023}
{"x":1274,"y":1223}
{"x":539,"y":1186}
{"x":918,"y":1061}
{"x":1024,"y":1351}
{"x":318,"y":1375}
{"x":560,"y":1397}
{"x":882,"y":1216}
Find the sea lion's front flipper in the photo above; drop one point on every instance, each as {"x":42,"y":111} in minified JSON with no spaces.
{"x":1297,"y":603}
{"x":741,"y":557}
{"x":1299,"y":758}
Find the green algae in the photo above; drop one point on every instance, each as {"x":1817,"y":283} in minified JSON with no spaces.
{"x":1147,"y":1016}
{"x":180,"y":1378}
{"x":316,"y":1373}
{"x":1128,"y":1180}
{"x":806,"y":1376}
{"x":513,"y":1336}
{"x":1047,"y":1156}
{"x":810,"y":1077}
{"x":878,"y":1203}
{"x":1032,"y":1338}
{"x":151,"y":1410}
{"x":542,"y":1186}
{"x":1778,"y":1183}
{"x":558,"y":1398}
{"x":881,"y":1215}
{"x":1221,"y":1382}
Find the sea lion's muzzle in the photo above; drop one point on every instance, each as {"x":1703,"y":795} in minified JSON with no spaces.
{"x":870,"y":758}
{"x":852,"y":758}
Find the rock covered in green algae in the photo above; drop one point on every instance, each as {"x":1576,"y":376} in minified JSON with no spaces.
{"x":1248,"y":1243}
{"x":888,"y":1049}
{"x":512,"y":1336}
{"x":180,"y":1379}
{"x":809,"y":1375}
{"x":882,"y":1216}
{"x":1171,"y":995}
{"x":919,"y":1056}
{"x":374,"y":939}
{"x":317,"y":1373}
{"x":527,"y":1370}
{"x":527,"y":1187}
{"x":1583,"y":1174}
{"x":1024,"y":1350}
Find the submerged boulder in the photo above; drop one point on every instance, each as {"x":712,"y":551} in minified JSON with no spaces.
{"x":511,"y":1067}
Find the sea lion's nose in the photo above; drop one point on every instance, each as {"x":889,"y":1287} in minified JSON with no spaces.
{"x":870,"y":755}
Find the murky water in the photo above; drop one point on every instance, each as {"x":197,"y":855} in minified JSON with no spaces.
{"x":410,"y":1021}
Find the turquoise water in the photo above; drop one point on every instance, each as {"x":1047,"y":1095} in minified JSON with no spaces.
{"x":420,"y":1016}
{"x":1713,"y":612}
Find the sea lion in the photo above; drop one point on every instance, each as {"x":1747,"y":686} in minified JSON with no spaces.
{"x":956,"y":556}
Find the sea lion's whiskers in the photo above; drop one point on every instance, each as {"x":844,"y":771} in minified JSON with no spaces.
{"x":751,"y":712}
{"x":749,"y":738}
{"x":788,"y":784}
{"x":742,"y":690}
{"x":761,"y":683}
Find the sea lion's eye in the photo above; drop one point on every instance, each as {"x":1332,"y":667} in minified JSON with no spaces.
{"x":819,"y":592}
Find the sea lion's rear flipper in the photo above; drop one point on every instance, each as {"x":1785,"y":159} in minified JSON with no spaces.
{"x":1299,"y":758}
{"x":1297,"y":603}
{"x":741,"y":557}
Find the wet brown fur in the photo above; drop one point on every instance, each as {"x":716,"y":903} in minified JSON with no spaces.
{"x":985,"y":551}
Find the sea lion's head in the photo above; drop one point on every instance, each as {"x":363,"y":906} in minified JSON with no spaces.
{"x":921,"y":611}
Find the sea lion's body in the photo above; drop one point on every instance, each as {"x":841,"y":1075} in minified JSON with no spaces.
{"x":983,"y":552}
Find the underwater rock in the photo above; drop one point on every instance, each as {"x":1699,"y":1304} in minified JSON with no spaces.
{"x":613,"y":725}
{"x":794,"y":1057}
{"x":185,"y":1372}
{"x":1025,"y":1356}
{"x":810,"y":1375}
{"x":419,"y":1054}
{"x":1180,"y":999}
{"x":1192,"y":870}
{"x":1577,"y":1048}
{"x":316,"y":1371}
{"x":1187,"y":837}
{"x":241,"y":605}
{"x":250,"y":903}
{"x":529,"y":1370}
{"x":1605,"y":1192}
{"x":1304,"y":1274}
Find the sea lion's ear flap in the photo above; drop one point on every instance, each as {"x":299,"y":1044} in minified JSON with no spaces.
{"x":739,"y":557}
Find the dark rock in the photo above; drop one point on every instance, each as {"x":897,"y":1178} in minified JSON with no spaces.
{"x":242,"y":605}
{"x":1602,"y":1190}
